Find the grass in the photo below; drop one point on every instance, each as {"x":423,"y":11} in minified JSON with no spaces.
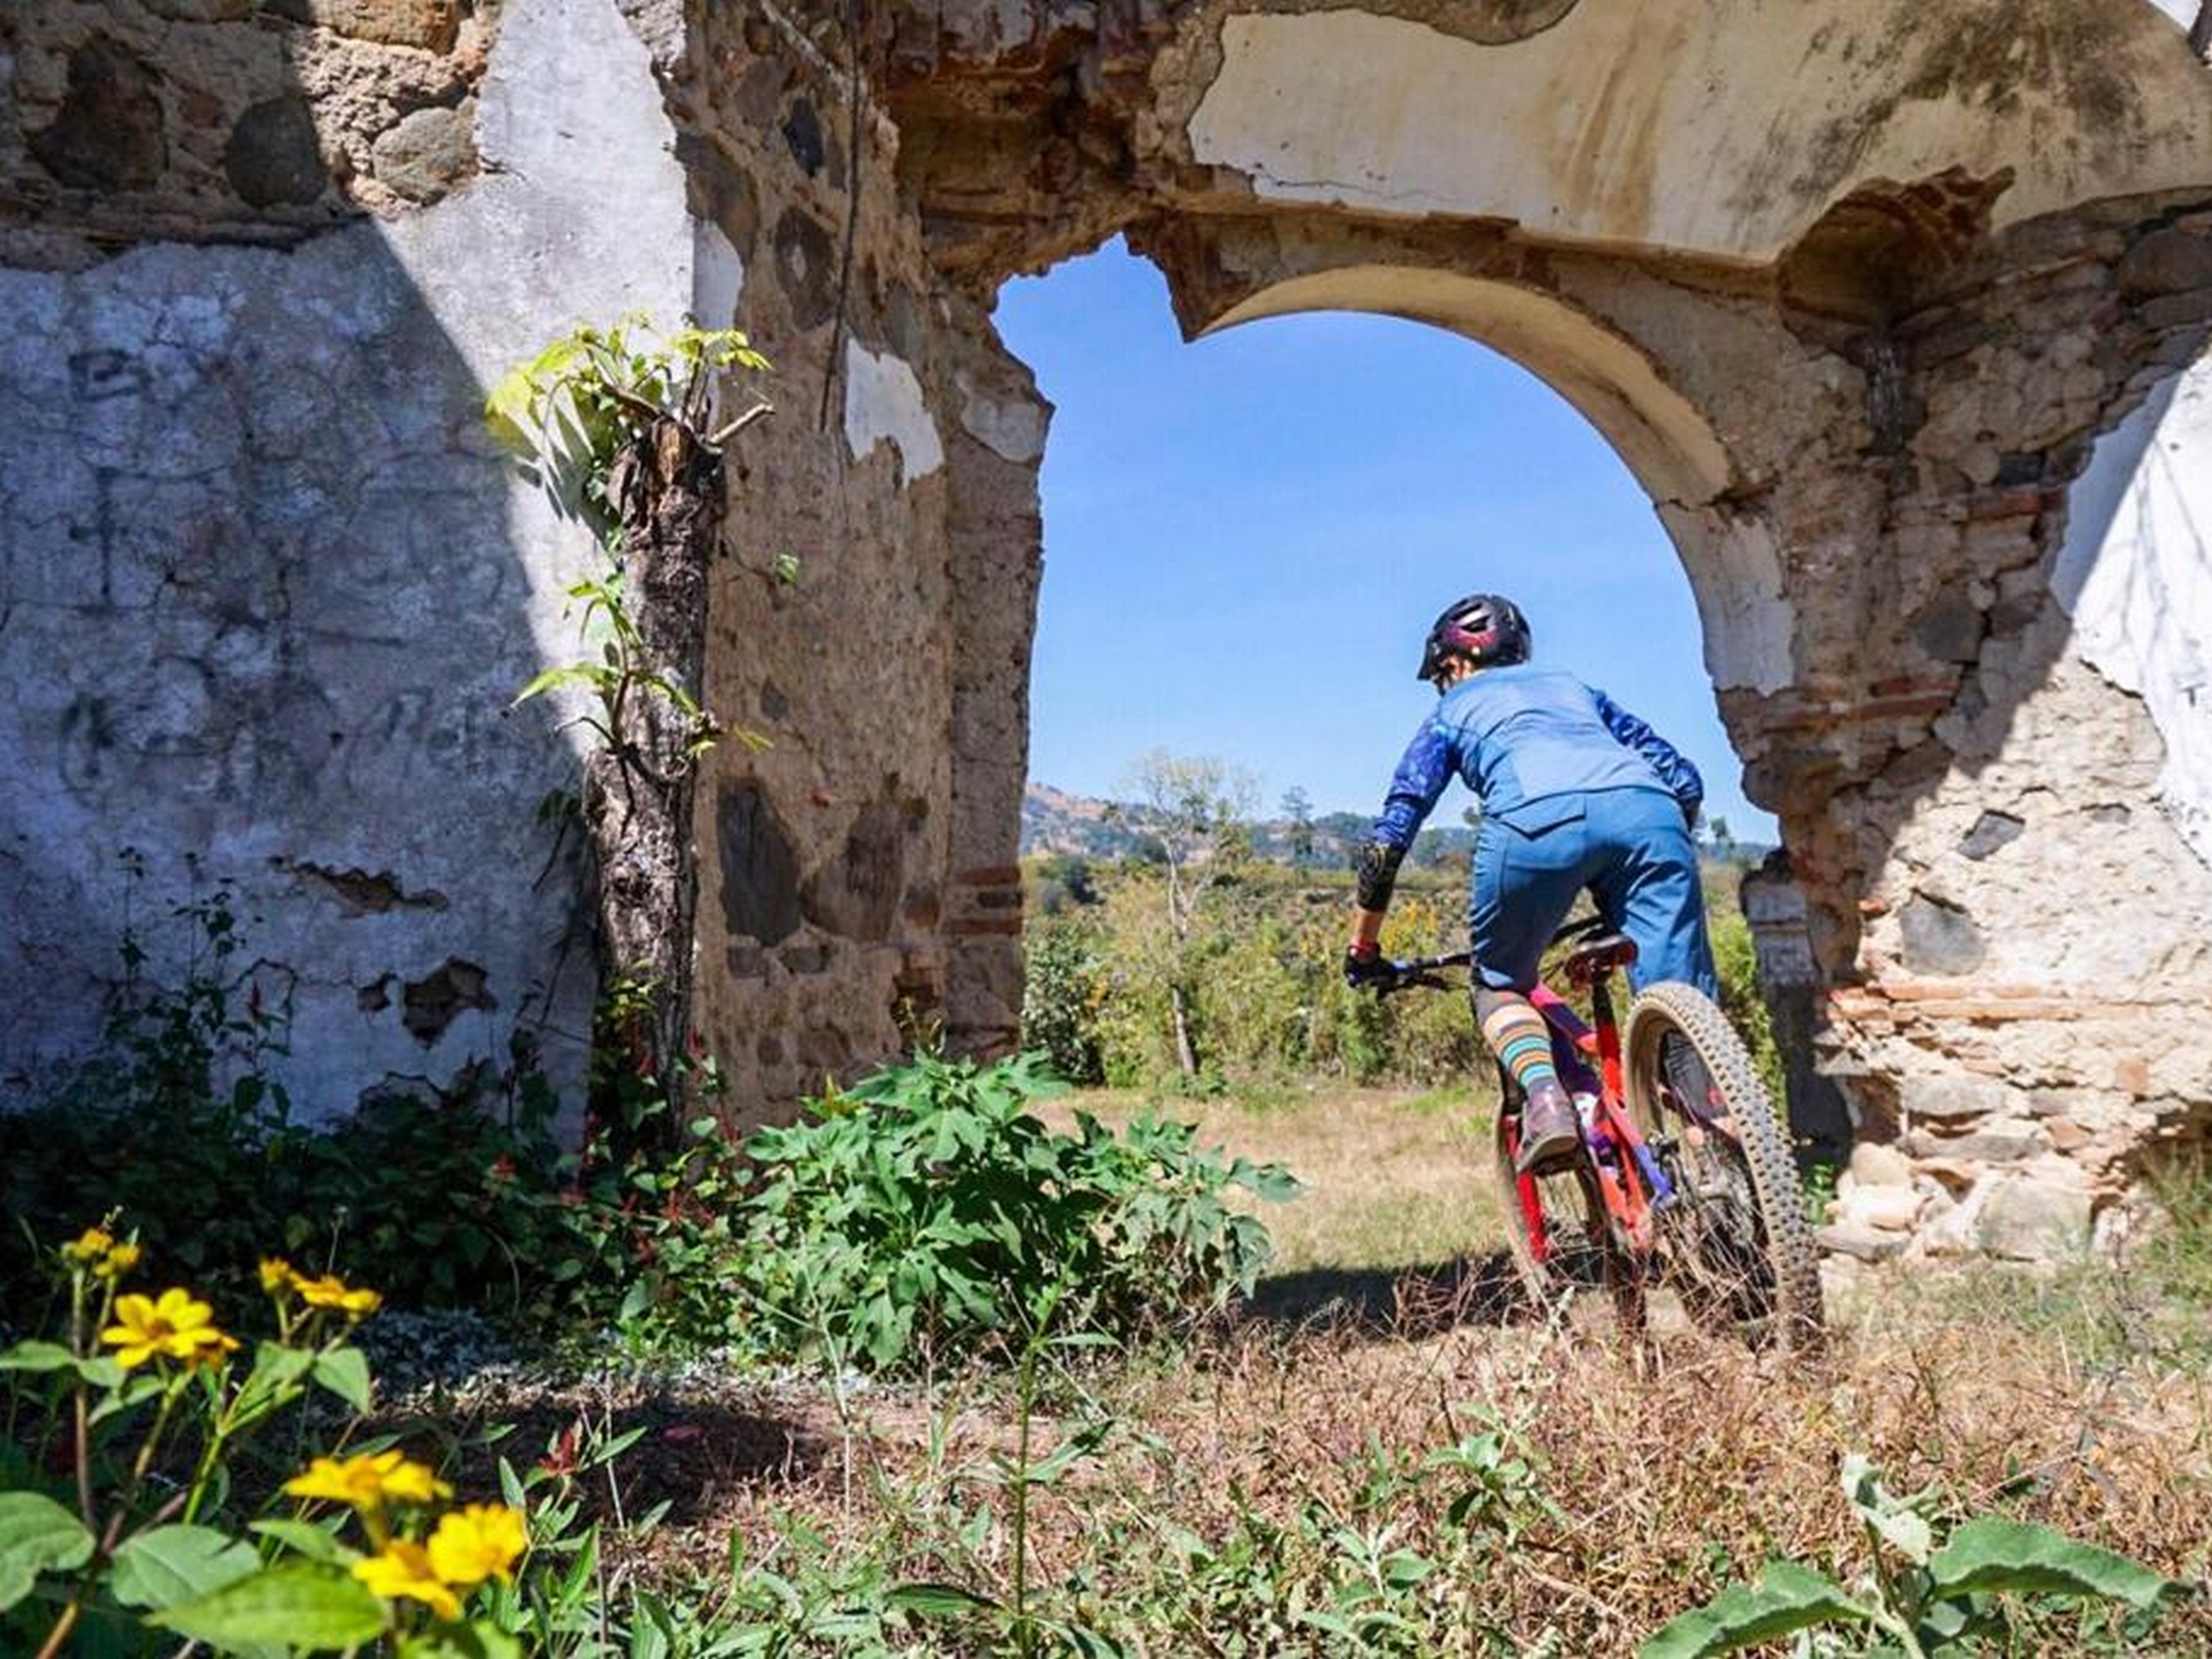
{"x":1386,"y":1456}
{"x":1395,"y":1179}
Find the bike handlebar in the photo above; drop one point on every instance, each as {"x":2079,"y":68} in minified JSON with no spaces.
{"x":1419,"y":972}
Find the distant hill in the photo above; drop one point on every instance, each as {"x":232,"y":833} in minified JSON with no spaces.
{"x":1056,"y":821}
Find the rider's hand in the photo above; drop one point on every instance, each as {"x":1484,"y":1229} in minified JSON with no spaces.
{"x":1364,"y":966}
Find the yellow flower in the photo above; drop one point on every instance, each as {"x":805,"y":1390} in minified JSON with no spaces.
{"x":480,"y":1541}
{"x":330,"y":1291}
{"x":370,"y":1481}
{"x":277,"y":1274}
{"x":90,"y":1246}
{"x":404,"y":1569}
{"x":119,"y":1261}
{"x":173,"y":1325}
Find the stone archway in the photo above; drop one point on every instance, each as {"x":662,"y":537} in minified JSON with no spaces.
{"x":1859,"y":325}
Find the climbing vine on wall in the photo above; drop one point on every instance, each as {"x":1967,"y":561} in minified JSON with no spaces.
{"x":618,"y":425}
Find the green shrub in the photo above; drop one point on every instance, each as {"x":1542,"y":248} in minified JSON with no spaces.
{"x":909,"y":1219}
{"x":1920,"y":1598}
{"x":1061,"y":992}
{"x":459,"y":1199}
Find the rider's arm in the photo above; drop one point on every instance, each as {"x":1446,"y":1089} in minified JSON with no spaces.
{"x":1423,"y":771}
{"x":1673,"y":768}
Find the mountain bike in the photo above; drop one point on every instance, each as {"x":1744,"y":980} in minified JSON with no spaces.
{"x":1685,"y":1177}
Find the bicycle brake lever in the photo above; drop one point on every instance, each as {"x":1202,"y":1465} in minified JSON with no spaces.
{"x":1423,"y":980}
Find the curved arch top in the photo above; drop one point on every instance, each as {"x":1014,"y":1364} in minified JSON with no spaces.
{"x":1668,"y":445}
{"x":1663,"y":440}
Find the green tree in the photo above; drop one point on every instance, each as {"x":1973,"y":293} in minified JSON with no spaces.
{"x":1297,"y":809}
{"x":620,"y":426}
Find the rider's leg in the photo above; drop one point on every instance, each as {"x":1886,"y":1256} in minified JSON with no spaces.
{"x":1524,"y":883}
{"x":1648,"y":888}
{"x":1516,"y":1033}
{"x":1651,"y":889}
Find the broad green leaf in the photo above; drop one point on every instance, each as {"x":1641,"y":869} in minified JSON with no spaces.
{"x":560,"y":675}
{"x":928,"y":1600}
{"x":1273,"y":1184}
{"x":305,"y":1605}
{"x":1993,"y":1553}
{"x":304,"y":1538}
{"x":1893,"y":1518}
{"x":168,"y":1564}
{"x":1403,"y":1569}
{"x":275,"y":1366}
{"x":345,"y":1372}
{"x":36,"y":1536}
{"x":1788,"y":1599}
{"x":37,"y":1356}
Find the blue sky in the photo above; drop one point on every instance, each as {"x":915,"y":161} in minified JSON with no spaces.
{"x":1247,"y":538}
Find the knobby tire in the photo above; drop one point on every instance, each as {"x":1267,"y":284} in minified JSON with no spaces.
{"x":1778,"y":1302}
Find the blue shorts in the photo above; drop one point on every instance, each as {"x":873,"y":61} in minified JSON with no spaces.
{"x":1629,"y":847}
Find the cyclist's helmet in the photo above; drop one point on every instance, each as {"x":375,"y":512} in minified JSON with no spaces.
{"x":1488,"y":627}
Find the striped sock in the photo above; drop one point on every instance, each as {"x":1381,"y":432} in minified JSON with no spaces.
{"x":1523,"y":1043}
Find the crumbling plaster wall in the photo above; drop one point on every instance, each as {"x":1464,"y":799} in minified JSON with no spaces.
{"x":267,"y":591}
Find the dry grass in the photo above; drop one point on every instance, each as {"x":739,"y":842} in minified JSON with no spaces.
{"x":1240,"y":1467}
{"x":1394,"y":1178}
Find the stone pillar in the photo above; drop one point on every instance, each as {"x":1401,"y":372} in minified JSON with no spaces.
{"x":2024,"y":1003}
{"x":997,"y":536}
{"x":1774,"y":905}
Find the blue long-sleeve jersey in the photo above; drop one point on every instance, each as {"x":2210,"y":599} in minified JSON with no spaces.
{"x":1526,"y":739}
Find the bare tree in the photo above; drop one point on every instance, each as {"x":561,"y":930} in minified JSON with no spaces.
{"x":1198,"y":809}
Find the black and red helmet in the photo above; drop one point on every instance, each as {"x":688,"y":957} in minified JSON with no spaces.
{"x":1488,"y":628}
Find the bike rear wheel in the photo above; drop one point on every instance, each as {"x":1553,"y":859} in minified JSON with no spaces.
{"x":1736,"y":1241}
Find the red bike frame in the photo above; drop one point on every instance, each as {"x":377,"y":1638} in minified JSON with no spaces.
{"x":1629,"y":1180}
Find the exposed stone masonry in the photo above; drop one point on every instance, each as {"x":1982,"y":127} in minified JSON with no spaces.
{"x":223,"y":119}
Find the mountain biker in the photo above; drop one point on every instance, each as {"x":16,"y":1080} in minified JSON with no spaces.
{"x":1576,"y":793}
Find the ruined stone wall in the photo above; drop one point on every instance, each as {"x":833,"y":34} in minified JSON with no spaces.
{"x":2030,"y":864}
{"x":846,"y":887}
{"x":268,"y":592}
{"x":1901,"y":323}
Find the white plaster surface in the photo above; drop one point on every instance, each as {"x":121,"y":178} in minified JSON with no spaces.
{"x":1012,"y":428}
{"x":718,"y":281}
{"x":2136,"y":575}
{"x":884,"y":404}
{"x":269,"y":593}
{"x":1724,"y":128}
{"x":1736,"y":577}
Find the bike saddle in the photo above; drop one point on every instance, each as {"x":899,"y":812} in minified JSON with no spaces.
{"x":1587,"y":963}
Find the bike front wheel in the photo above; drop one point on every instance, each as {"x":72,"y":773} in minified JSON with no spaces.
{"x":1737,"y":1243}
{"x":1557,"y":1232}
